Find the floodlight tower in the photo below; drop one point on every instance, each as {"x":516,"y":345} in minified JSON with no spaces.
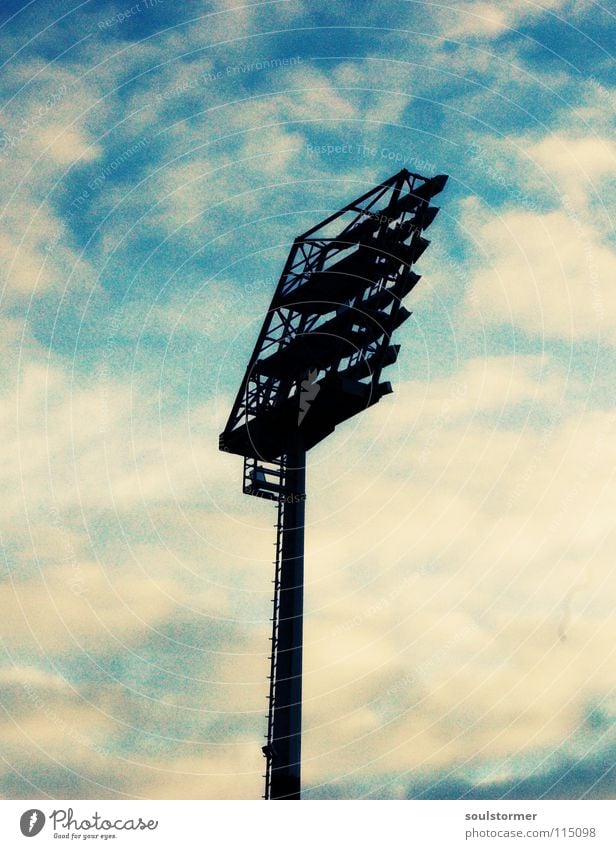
{"x":318,"y":362}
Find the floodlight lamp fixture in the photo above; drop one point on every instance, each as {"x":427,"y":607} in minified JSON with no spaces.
{"x":334,"y":310}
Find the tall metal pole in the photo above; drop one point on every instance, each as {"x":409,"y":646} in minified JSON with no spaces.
{"x":327,"y":333}
{"x":285,"y":743}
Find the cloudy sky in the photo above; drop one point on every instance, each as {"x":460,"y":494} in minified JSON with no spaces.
{"x":156,"y":161}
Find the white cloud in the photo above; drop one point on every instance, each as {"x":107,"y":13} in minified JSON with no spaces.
{"x":478,"y":18}
{"x":549,"y":274}
{"x":582,"y":167}
{"x":82,"y":607}
{"x":43,"y":133}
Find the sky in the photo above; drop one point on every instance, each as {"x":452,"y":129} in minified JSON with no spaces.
{"x":156,"y":162}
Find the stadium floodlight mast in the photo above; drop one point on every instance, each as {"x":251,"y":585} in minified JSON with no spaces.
{"x":317,"y":362}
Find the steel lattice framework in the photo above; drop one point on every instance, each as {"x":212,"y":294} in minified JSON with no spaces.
{"x":317,"y":362}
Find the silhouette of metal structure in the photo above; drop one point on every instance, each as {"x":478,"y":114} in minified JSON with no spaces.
{"x":317,"y":362}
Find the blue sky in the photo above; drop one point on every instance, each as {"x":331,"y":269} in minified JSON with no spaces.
{"x":156,"y":161}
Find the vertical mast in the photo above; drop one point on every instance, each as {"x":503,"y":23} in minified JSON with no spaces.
{"x":283,"y":749}
{"x":318,"y":362}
